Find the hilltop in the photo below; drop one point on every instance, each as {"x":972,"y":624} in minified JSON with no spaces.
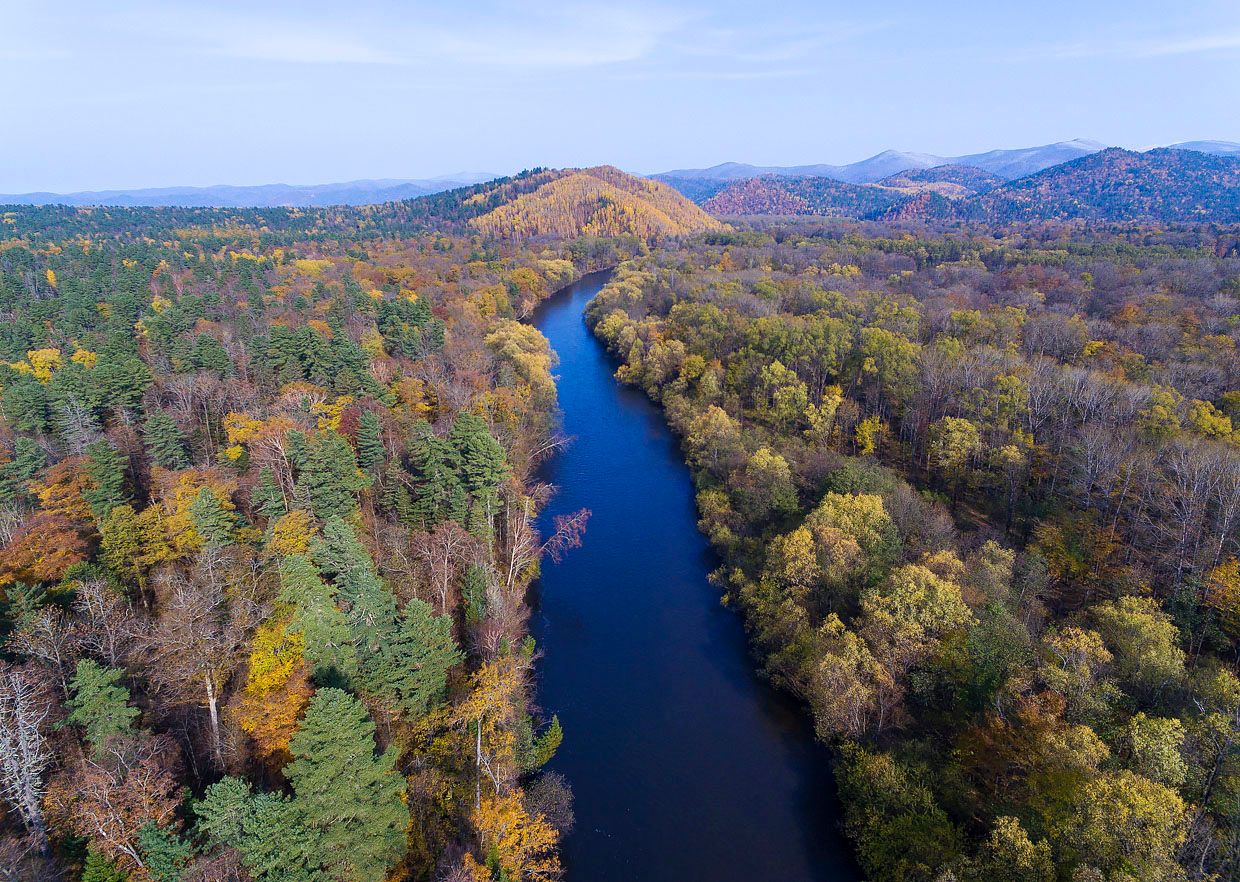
{"x":600,"y":201}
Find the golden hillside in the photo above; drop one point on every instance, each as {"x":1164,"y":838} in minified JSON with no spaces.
{"x":602,"y":201}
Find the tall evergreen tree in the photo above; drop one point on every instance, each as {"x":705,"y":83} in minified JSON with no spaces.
{"x":214,"y":523}
{"x":329,"y":649}
{"x":329,"y":477}
{"x":99,"y":704}
{"x":402,"y":658}
{"x":370,"y":449}
{"x":165,"y":443}
{"x":268,"y":830}
{"x":267,"y":499}
{"x":352,"y":799}
{"x":165,"y":853}
{"x":106,"y":468}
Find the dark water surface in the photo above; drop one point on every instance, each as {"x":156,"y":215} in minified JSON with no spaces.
{"x":685,"y":765}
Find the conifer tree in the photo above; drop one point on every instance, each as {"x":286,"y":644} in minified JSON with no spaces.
{"x":396,"y":499}
{"x":329,"y":650}
{"x":213,"y":522}
{"x":350,"y":798}
{"x":99,"y":869}
{"x":330,"y":477}
{"x":370,"y":449}
{"x":403,"y":658}
{"x":99,"y":704}
{"x":165,"y":853}
{"x":106,"y":468}
{"x":165,"y":443}
{"x":267,"y":498}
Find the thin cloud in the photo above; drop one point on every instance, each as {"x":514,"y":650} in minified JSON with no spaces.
{"x":1159,"y":47}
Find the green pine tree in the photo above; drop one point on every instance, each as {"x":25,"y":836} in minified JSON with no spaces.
{"x":28,"y":458}
{"x":351,"y":798}
{"x":99,"y":869}
{"x":214,"y":523}
{"x":267,"y":498}
{"x":396,"y":500}
{"x":402,"y":658}
{"x":165,"y":443}
{"x":329,"y":477}
{"x":165,"y":853}
{"x":267,"y":829}
{"x":99,"y":704}
{"x":329,"y":647}
{"x":428,"y":651}
{"x":370,"y":449}
{"x":106,"y":468}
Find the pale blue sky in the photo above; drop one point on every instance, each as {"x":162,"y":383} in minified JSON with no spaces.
{"x":112,"y":93}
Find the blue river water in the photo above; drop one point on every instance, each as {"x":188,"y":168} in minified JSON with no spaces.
{"x":685,"y":764}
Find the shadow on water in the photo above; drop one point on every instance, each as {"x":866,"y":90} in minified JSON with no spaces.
{"x":685,"y":764}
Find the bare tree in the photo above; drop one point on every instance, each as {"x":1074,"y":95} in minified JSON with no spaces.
{"x":25,"y":705}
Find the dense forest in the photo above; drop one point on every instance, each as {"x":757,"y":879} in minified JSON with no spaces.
{"x":268,"y":503}
{"x":1110,"y":186}
{"x":267,"y":519}
{"x":977,"y":496}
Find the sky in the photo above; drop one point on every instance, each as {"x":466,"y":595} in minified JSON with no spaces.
{"x":121,"y":94}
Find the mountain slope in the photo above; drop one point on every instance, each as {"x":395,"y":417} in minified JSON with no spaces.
{"x":364,"y":192}
{"x":600,"y":201}
{"x":1163,"y":185}
{"x":952,"y":181}
{"x":772,"y":195}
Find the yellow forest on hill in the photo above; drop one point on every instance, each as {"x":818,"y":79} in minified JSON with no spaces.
{"x":602,"y":201}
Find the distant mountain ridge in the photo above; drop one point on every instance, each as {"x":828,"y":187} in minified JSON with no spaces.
{"x":1008,"y":164}
{"x":1167,"y":185}
{"x":362,"y":192}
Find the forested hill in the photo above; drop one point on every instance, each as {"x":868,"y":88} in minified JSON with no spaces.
{"x":1111,"y":186}
{"x":562,"y":203}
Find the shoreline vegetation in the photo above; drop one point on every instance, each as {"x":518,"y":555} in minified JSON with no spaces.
{"x":268,"y":522}
{"x":975,"y":495}
{"x":268,"y":496}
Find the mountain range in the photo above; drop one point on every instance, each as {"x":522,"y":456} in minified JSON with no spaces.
{"x":1009,"y":164}
{"x":364,"y":192}
{"x":1163,"y":185}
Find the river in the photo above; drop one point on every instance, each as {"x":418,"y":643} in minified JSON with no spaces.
{"x":685,"y":764}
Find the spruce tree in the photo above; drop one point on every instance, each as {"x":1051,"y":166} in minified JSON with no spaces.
{"x":349,"y":797}
{"x":165,"y":853}
{"x":267,"y":498}
{"x":106,"y":468}
{"x":428,"y":652}
{"x":165,"y":443}
{"x":326,"y":632}
{"x":329,"y":477}
{"x":403,"y":658}
{"x":266,"y":829}
{"x":370,"y":449}
{"x":28,"y":458}
{"x":213,"y":522}
{"x":396,"y":500}
{"x":98,"y":868}
{"x":99,"y":704}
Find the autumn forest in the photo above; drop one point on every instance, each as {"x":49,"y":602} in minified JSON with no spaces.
{"x":272,"y":520}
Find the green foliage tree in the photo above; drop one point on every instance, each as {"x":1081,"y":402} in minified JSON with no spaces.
{"x":214,"y":523}
{"x":99,"y":704}
{"x":165,"y":443}
{"x":370,"y":450}
{"x":164,"y":852}
{"x":106,"y":468}
{"x":350,"y":798}
{"x":329,"y":476}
